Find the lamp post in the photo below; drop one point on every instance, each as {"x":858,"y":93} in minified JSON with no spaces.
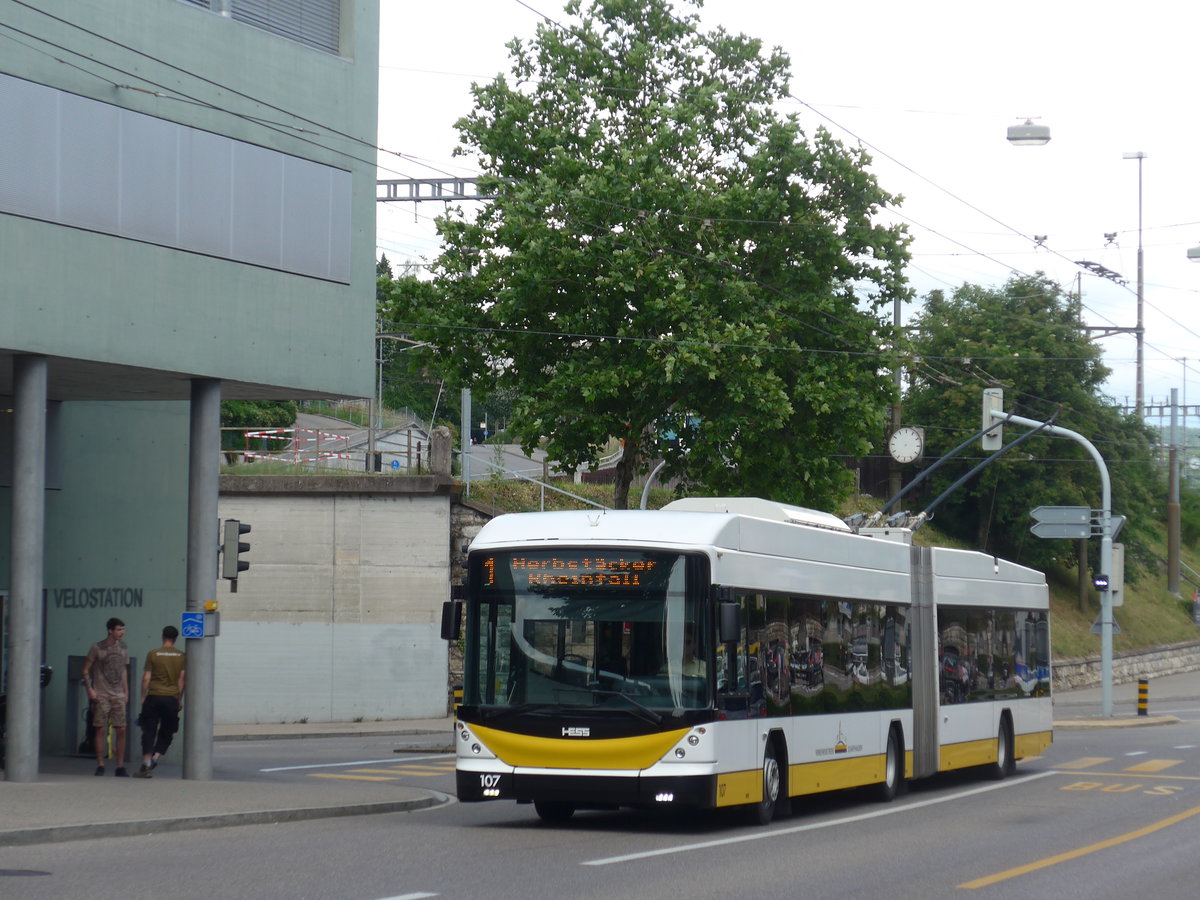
{"x":1141,"y":286}
{"x":1030,"y":135}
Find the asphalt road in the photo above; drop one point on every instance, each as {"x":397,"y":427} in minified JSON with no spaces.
{"x":1105,"y":813}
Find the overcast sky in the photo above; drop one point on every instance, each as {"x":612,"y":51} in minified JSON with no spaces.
{"x":929,"y":88}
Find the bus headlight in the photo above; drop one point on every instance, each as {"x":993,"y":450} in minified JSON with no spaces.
{"x":476,"y":749}
{"x":680,"y":753}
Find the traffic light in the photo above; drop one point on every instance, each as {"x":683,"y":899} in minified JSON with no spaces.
{"x":233,"y":548}
{"x":993,"y":400}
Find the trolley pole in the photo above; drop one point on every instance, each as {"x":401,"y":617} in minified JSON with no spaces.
{"x":1106,"y":549}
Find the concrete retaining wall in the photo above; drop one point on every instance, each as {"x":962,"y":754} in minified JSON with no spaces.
{"x":1171,"y":659}
{"x":338,"y":617}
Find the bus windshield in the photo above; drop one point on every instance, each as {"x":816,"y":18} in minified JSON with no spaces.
{"x":612,"y":629}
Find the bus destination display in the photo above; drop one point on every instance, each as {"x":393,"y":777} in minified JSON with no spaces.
{"x":583,"y":570}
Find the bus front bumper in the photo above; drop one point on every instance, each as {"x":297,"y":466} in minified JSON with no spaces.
{"x":589,"y":790}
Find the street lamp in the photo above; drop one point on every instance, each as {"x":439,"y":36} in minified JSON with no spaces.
{"x":1028,"y":135}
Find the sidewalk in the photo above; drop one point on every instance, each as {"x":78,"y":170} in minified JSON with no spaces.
{"x":1081,"y":708}
{"x":68,"y":803}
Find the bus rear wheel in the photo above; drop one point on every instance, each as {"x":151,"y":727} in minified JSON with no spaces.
{"x":1005,"y":763}
{"x":893,"y":771}
{"x":553,"y":812}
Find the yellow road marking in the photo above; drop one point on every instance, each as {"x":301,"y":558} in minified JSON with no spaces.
{"x":1081,"y":851}
{"x":1143,"y":775}
{"x":1085,"y":762}
{"x":1154,"y":765}
{"x":425,"y":768}
{"x":392,"y":772}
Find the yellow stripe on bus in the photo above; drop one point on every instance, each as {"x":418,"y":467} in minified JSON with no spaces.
{"x":734,"y":788}
{"x":835,"y":774}
{"x":981,"y":753}
{"x":966,"y":754}
{"x":578,"y":753}
{"x":1026,"y":745}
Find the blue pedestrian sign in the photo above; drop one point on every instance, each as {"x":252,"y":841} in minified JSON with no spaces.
{"x":192,"y":625}
{"x":395,"y":463}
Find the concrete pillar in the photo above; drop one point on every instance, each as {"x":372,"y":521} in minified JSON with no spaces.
{"x":203,"y":489}
{"x":439,"y":451}
{"x":27,"y":580}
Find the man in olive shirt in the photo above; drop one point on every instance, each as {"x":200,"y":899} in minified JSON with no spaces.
{"x":163,"y":681}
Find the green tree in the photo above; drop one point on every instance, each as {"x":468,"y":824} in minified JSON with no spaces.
{"x":669,"y":256}
{"x":1025,"y":337}
{"x":412,"y":378}
{"x":252,"y":414}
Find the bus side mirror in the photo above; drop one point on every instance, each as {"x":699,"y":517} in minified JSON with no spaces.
{"x":731,"y":623}
{"x":451,"y":620}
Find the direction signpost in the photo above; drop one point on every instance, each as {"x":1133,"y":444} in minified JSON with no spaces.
{"x":1067,"y":522}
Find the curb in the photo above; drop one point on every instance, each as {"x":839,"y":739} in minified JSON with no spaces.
{"x":60,"y":833}
{"x":280,"y":735}
{"x":1130,"y":722}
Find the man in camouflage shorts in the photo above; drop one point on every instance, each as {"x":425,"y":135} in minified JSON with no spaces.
{"x":106,"y":676}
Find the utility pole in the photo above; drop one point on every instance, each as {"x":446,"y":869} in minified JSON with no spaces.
{"x":1141,"y":288}
{"x":465,"y":437}
{"x":893,"y":466}
{"x":1173,"y":499}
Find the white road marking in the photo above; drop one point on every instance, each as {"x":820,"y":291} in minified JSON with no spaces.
{"x":845,"y":820}
{"x":417,"y":896}
{"x":361,"y":762}
{"x":1138,"y":753}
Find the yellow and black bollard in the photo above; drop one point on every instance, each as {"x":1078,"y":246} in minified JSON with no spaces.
{"x":1143,"y":696}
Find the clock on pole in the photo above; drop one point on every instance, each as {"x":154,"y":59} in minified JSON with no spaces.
{"x":906,"y":444}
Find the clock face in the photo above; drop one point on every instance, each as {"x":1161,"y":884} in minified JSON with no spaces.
{"x":906,"y":444}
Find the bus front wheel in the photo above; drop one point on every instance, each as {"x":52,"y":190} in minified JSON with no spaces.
{"x":764,"y":811}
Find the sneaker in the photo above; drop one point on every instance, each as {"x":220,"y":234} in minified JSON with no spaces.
{"x":99,"y":770}
{"x":143,"y":772}
{"x":120,"y":773}
{"x":154,"y":761}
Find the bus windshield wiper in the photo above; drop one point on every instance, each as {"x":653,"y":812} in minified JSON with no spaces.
{"x":646,"y":712}
{"x":533,"y":709}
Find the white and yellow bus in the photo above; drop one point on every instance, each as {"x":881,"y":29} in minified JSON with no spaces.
{"x":726,"y":652}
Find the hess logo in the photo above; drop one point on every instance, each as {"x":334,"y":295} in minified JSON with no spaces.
{"x":577,"y":731}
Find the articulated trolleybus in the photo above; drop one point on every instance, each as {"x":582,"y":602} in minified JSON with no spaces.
{"x":726,"y":652}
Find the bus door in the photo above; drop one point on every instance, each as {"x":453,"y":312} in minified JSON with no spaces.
{"x":739,"y":669}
